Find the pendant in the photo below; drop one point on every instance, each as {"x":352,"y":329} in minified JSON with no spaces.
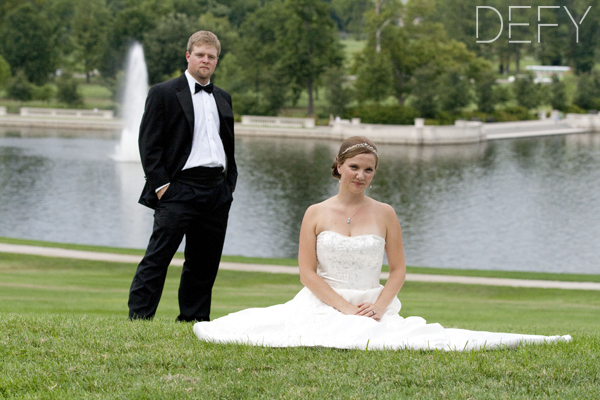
{"x":348,"y":220}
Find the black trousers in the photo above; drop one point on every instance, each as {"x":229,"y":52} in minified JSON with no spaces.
{"x":196,"y":204}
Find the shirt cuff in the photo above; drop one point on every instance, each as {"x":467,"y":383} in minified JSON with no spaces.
{"x":158,"y":190}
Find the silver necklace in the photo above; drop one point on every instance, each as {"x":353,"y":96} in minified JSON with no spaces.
{"x":350,"y":217}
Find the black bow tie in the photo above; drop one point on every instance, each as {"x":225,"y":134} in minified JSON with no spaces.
{"x":208,"y":88}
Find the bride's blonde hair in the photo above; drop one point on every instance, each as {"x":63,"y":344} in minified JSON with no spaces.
{"x":351,"y":147}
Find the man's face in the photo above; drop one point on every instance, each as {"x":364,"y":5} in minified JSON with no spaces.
{"x":202,"y":62}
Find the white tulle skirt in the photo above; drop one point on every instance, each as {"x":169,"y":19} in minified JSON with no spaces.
{"x":307,"y":321}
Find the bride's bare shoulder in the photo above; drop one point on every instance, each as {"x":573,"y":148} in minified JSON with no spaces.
{"x":381,"y":207}
{"x":318,"y":208}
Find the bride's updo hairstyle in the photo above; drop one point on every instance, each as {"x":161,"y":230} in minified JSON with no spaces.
{"x":351,"y":147}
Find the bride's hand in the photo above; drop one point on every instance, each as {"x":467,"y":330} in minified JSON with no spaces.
{"x":370,"y":310}
{"x":349,"y":309}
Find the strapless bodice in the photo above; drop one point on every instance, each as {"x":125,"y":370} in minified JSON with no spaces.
{"x":350,"y":262}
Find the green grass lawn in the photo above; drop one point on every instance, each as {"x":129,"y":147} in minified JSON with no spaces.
{"x":294,"y":263}
{"x":64,"y":334}
{"x":59,"y":357}
{"x":94,"y":96}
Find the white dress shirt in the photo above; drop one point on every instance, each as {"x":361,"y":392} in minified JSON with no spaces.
{"x":207,"y":147}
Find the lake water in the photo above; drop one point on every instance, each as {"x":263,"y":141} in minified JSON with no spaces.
{"x":521,"y":205}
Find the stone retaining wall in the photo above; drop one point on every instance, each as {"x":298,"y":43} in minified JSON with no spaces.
{"x":58,"y":112}
{"x":417,"y":134}
{"x":278,"y":121}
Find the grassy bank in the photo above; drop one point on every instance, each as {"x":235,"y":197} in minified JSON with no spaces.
{"x":43,"y":285}
{"x":64,"y":334}
{"x":88,"y":357}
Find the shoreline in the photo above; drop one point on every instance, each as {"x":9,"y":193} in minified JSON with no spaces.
{"x":463,"y":132}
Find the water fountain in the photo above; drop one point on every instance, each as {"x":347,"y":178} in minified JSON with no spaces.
{"x":136,"y":89}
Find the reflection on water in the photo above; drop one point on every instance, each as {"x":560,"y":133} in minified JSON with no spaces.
{"x":527,"y":204}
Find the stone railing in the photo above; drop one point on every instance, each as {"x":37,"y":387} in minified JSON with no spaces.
{"x":278,"y":121}
{"x":589,"y":122}
{"x":2,"y":111}
{"x":58,"y":112}
{"x":419,"y":133}
{"x":531,"y":125}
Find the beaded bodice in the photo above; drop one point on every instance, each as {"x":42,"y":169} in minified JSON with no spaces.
{"x":350,"y":262}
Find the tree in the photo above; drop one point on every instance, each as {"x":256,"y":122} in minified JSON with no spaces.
{"x":8,"y":6}
{"x":424,"y":88}
{"x":485,"y":93}
{"x":165,"y":46}
{"x":480,"y":71}
{"x":583,"y":53}
{"x":90,"y":25}
{"x":337,"y":90}
{"x":348,"y":15}
{"x":132,"y":19}
{"x":195,"y":8}
{"x":527,"y":92}
{"x":4,"y":72}
{"x":454,"y":90}
{"x":60,"y":16}
{"x":27,"y":49}
{"x":588,"y":90}
{"x":309,"y":44}
{"x":253,"y":72}
{"x":412,"y":42}
{"x":221,"y":27}
{"x":374,"y":76}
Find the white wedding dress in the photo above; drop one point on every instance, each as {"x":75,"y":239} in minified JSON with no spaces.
{"x":351,"y":266}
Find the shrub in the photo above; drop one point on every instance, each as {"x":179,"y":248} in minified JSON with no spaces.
{"x":43,"y":93}
{"x":67,"y":90}
{"x":380,"y":114}
{"x":19,"y":88}
{"x":502,"y":93}
{"x":248,"y":103}
{"x":517,"y":113}
{"x":558,"y":94}
{"x":574,"y":109}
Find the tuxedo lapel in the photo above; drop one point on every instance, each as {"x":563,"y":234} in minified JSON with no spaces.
{"x":185,"y":99}
{"x":224,"y":111}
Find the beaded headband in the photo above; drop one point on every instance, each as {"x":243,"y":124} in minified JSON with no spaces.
{"x":365,"y":145}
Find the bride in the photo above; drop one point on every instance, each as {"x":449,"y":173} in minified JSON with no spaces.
{"x":343,"y":305}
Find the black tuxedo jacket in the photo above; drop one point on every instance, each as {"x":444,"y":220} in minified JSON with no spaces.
{"x":166,"y":134}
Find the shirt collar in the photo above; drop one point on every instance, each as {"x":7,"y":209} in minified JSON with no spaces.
{"x":192,"y":81}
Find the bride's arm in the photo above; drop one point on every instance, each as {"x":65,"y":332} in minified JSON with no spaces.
{"x":395,"y":256}
{"x":307,"y":262}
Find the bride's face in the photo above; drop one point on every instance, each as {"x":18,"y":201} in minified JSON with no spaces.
{"x":357,"y":172}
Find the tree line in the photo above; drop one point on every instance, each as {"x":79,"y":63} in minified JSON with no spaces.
{"x":421,"y":58}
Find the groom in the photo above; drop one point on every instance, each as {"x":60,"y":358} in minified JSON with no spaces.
{"x":187,"y":151}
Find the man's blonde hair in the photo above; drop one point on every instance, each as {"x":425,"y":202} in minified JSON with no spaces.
{"x":204,"y":37}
